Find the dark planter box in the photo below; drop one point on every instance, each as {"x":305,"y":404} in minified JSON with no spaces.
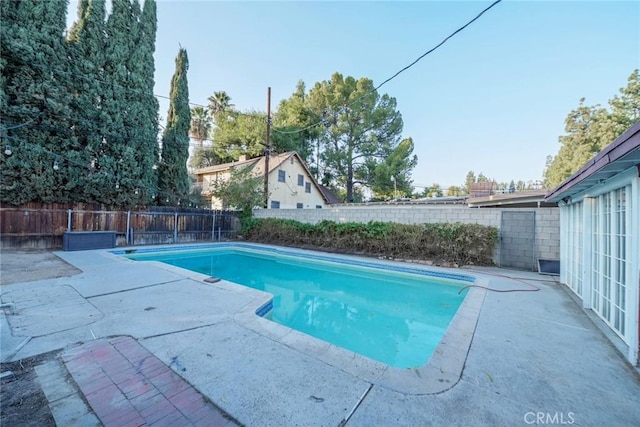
{"x":549,"y":266}
{"x":85,"y":240}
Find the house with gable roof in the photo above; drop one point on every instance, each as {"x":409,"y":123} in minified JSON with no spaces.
{"x":291,"y":184}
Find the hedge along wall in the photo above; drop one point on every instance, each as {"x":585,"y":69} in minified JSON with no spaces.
{"x":441,"y":243}
{"x":547,"y":241}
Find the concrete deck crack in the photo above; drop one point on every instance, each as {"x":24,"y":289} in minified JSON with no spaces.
{"x":182,"y":330}
{"x":134,"y":289}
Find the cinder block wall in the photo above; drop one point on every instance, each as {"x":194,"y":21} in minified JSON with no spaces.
{"x":547,"y":219}
{"x":548,"y":233}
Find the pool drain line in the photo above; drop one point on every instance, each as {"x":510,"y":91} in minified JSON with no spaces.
{"x":346,"y":419}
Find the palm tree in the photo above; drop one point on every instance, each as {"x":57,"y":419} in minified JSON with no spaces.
{"x":200,"y":124}
{"x":219,"y":102}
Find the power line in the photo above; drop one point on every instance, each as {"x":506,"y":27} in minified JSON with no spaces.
{"x":92,"y":78}
{"x":403,"y":69}
{"x":439,"y":44}
{"x":322,"y":121}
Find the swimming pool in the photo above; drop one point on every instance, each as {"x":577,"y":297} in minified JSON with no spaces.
{"x":393,"y":314}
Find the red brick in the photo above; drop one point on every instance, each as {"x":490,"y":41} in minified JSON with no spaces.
{"x":106,"y":394}
{"x":133,"y":352}
{"x":126,"y":375}
{"x":103,"y":352}
{"x":121,"y":416}
{"x":81,"y":349}
{"x":106,"y":410}
{"x":82,"y":363}
{"x":147,"y":399}
{"x":212,"y":418}
{"x":205,"y":411}
{"x":88,"y":375}
{"x":171,"y":420}
{"x":139,"y":421}
{"x":106,"y":400}
{"x":147,"y":364}
{"x":162,"y":377}
{"x":187,"y":395}
{"x":151,"y":368}
{"x":157,"y":411}
{"x":116,"y":364}
{"x":97,"y":384}
{"x":190,"y":408}
{"x":176,"y":386}
{"x":129,"y":346}
{"x":120,"y":339}
{"x":136,"y":388}
{"x":167,"y":379}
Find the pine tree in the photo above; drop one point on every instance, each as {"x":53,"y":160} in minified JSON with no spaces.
{"x":589,"y":129}
{"x":173,"y":179}
{"x":363,"y":128}
{"x":46,"y":160}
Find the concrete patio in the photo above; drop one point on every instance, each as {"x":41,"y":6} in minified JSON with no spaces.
{"x":527,"y":364}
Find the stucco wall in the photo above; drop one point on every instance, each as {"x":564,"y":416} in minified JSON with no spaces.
{"x":547,"y":222}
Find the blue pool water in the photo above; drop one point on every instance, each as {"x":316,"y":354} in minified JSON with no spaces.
{"x":395,"y":318}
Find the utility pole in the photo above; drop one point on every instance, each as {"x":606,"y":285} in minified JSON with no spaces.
{"x":267,"y":151}
{"x":395,"y":192}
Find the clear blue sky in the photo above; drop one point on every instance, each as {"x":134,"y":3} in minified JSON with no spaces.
{"x":492,"y":100}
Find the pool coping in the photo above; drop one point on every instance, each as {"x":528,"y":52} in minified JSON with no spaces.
{"x":442,"y":371}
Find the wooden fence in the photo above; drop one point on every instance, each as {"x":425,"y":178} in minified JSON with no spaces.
{"x":43,"y":227}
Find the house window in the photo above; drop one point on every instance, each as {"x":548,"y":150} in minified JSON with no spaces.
{"x":574,"y":245}
{"x":275,"y":204}
{"x":299,"y":205}
{"x":300,"y":180}
{"x":307,"y":187}
{"x":281,"y":175}
{"x":318,"y":206}
{"x":610,"y":242}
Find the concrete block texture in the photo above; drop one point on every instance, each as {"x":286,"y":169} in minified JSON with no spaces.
{"x":540,"y":236}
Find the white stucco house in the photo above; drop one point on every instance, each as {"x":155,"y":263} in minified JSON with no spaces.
{"x":600,"y":239}
{"x":291,"y":185}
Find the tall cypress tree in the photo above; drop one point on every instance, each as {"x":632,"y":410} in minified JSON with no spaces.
{"x":86,"y":53}
{"x":8,"y":16}
{"x":130,"y":143}
{"x":115,"y":156}
{"x":143,"y":118}
{"x":37,"y":119}
{"x":85,"y":104}
{"x":173,"y":179}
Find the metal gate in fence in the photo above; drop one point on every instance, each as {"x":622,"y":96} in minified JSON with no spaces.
{"x":517,"y":240}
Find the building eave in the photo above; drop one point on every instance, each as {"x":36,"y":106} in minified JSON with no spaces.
{"x":524,"y":198}
{"x":619,"y":156}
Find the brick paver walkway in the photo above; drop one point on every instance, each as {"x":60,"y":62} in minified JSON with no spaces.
{"x":128,"y":386}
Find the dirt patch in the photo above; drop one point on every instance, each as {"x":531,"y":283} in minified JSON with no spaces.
{"x":27,"y":266}
{"x":21,"y":398}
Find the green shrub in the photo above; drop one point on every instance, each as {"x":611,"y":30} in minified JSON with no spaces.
{"x":450,"y":242}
